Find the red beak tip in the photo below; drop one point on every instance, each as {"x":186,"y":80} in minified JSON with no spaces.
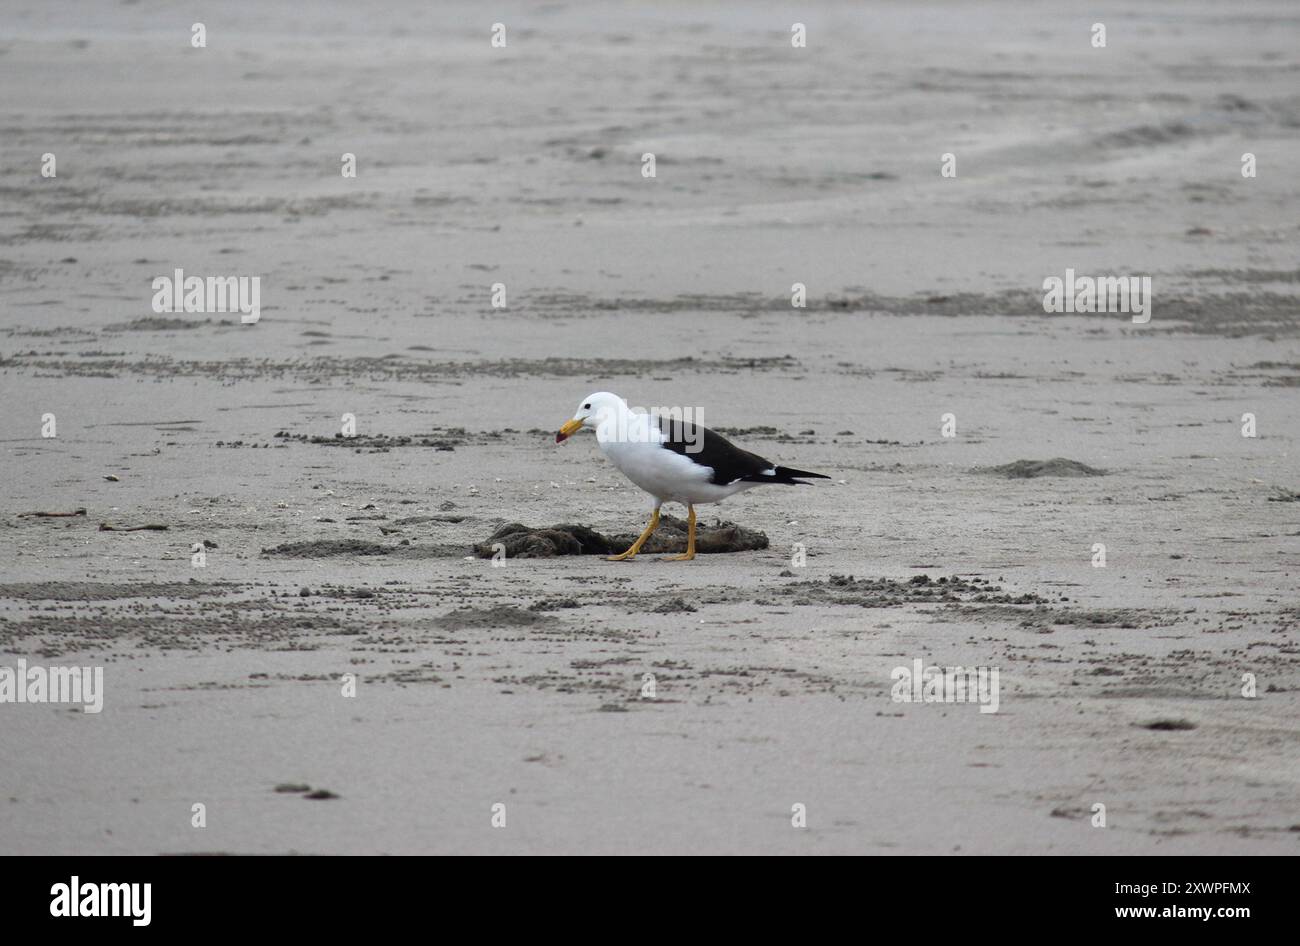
{"x":560,"y":437}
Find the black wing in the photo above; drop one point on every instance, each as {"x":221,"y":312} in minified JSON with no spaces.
{"x":728,"y":462}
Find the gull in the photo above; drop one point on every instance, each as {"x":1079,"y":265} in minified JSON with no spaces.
{"x":673,"y":460}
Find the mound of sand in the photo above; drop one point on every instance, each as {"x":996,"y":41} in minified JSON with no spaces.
{"x":521,"y":541}
{"x":1026,"y":469}
{"x":497,"y":617}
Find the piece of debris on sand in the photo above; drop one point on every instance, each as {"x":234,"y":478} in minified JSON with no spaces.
{"x":1167,"y":724}
{"x":521,"y":541}
{"x":1027,"y":469}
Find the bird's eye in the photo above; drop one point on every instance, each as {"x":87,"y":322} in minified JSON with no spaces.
{"x":586,"y":407}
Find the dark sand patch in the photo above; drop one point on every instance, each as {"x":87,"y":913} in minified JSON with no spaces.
{"x":360,"y":548}
{"x":390,"y":368}
{"x":154,"y":324}
{"x":254,"y":625}
{"x":555,"y":604}
{"x":889,"y":593}
{"x":1123,"y":618}
{"x":1227,"y":313}
{"x":1044,"y":618}
{"x":1248,"y":276}
{"x":438,"y":439}
{"x":766,"y":432}
{"x":107,"y":591}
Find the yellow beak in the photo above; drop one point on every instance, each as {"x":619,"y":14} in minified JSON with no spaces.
{"x":568,"y":430}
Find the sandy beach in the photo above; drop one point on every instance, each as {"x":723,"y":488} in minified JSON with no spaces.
{"x":523,"y":683}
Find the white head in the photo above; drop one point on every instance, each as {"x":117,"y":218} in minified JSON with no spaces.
{"x":594,"y":409}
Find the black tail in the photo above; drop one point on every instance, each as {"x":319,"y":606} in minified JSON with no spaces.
{"x":786,"y":476}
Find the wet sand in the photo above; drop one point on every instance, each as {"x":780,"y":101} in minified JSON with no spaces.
{"x":523,"y":684}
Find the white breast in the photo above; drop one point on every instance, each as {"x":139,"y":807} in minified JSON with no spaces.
{"x":663,"y":473}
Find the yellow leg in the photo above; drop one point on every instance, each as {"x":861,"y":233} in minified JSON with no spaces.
{"x":636,"y":546}
{"x":690,"y":538}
